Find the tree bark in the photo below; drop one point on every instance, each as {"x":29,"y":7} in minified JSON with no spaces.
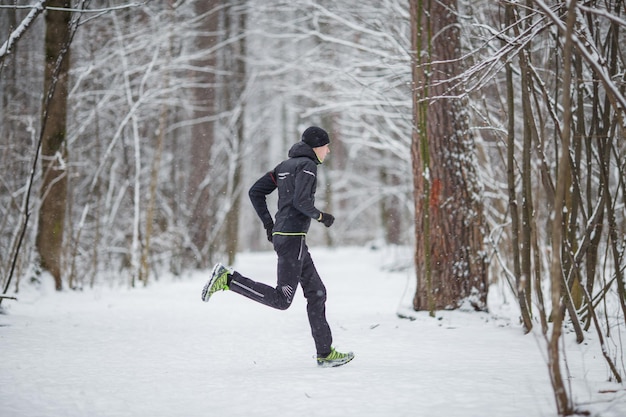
{"x":563,"y":403}
{"x":54,"y":184}
{"x":450,"y":262}
{"x":203,"y":130}
{"x":236,"y":24}
{"x":522,"y":294}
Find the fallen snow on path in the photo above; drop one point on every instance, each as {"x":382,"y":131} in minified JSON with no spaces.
{"x":160,"y":351}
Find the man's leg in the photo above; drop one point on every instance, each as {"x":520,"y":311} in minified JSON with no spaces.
{"x":315,"y":294}
{"x":289,"y":251}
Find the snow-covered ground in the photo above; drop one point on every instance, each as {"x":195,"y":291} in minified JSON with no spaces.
{"x":160,"y":351}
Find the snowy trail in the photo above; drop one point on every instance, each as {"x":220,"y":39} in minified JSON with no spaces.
{"x":160,"y":351}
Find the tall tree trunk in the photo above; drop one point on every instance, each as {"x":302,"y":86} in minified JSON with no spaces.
{"x":203,"y":133}
{"x":449,"y":231}
{"x":522,"y":293}
{"x":236,"y":25}
{"x":563,"y":403}
{"x":54,"y":184}
{"x":391,"y":210}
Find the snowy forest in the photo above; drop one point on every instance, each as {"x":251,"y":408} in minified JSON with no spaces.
{"x":487,"y":136}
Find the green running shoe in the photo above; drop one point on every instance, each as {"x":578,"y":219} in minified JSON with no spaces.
{"x":334,"y":359}
{"x":217,"y":282}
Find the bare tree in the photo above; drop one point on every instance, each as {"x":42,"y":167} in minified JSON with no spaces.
{"x":565,"y":170}
{"x":449,"y":230}
{"x":234,"y":98}
{"x":54,"y":130}
{"x":203,"y":130}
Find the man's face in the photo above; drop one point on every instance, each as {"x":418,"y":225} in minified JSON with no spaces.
{"x":322,"y":152}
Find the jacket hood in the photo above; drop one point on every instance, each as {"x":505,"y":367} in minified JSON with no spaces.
{"x":301,"y":149}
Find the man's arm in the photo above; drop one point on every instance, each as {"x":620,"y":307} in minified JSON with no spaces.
{"x":258,"y":192}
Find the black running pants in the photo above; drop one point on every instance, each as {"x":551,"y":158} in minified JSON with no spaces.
{"x":295,"y":266}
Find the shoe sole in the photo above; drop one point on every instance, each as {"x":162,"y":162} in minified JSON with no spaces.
{"x":209,"y":284}
{"x":334,"y":364}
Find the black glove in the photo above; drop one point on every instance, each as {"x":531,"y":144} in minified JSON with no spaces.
{"x":327,"y":219}
{"x":269,"y":229}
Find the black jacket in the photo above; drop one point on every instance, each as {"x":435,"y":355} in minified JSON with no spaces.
{"x":296,"y":180}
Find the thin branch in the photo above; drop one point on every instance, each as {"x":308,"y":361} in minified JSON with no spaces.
{"x":35,"y":11}
{"x":593,"y":58}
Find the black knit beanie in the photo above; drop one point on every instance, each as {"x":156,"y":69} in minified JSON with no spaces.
{"x":315,"y":137}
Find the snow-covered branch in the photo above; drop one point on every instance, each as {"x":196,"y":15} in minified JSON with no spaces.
{"x":17,"y":33}
{"x":591,"y":55}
